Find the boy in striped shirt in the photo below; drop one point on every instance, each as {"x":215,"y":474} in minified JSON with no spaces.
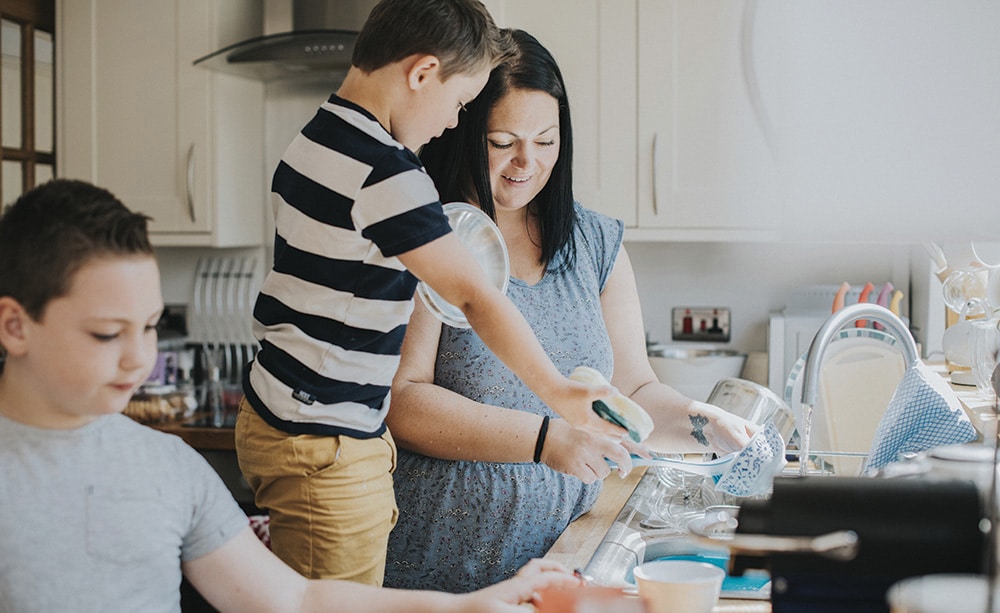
{"x":358,"y":222}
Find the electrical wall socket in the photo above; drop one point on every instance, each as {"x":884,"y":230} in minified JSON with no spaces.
{"x":700,"y":324}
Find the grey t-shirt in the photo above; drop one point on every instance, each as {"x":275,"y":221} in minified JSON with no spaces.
{"x":98,"y":518}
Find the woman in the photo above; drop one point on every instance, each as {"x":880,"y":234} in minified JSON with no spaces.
{"x":474,"y":506}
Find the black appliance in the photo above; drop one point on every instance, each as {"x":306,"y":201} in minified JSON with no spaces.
{"x":904,"y":528}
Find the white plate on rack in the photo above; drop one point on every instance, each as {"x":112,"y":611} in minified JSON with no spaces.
{"x":483,"y":239}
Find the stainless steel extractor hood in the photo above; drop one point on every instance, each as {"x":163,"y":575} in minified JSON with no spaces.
{"x":319,"y":44}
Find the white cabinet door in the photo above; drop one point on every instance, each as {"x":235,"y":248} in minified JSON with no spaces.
{"x":706,"y":168}
{"x":887,"y":115}
{"x":172,"y":140}
{"x":593,"y":41}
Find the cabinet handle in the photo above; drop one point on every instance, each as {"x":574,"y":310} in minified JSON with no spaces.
{"x":656,"y":155}
{"x":750,"y":81}
{"x":189,"y":184}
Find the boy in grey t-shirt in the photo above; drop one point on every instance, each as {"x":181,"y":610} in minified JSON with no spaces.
{"x":99,"y":513}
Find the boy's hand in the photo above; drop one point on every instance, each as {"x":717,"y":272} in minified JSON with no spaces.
{"x":520,"y":589}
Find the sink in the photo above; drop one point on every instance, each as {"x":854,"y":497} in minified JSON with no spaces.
{"x":642,"y":533}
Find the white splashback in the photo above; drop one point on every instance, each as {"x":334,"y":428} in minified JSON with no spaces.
{"x":752,"y":279}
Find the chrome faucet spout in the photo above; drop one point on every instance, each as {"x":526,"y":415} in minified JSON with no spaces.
{"x":828,"y":331}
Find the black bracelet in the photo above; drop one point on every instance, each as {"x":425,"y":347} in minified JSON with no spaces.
{"x":541,"y":439}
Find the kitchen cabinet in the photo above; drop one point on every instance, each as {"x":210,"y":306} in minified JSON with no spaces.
{"x":829,"y":121}
{"x":884,"y":115}
{"x":664,"y":128}
{"x":175,"y":141}
{"x":706,"y":169}
{"x":593,"y":41}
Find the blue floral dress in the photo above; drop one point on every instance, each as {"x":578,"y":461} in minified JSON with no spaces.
{"x":465,"y":525}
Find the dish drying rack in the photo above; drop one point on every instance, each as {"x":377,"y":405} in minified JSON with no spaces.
{"x":817,"y":462}
{"x":221,"y":324}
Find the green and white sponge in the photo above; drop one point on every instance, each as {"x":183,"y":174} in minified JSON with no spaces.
{"x":619,"y":410}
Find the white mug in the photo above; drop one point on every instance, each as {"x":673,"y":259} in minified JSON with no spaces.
{"x":679,"y":586}
{"x":944,"y":593}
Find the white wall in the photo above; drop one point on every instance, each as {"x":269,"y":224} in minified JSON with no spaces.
{"x":752,"y":279}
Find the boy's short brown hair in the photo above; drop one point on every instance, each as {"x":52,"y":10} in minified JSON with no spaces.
{"x":51,"y":231}
{"x":460,"y":33}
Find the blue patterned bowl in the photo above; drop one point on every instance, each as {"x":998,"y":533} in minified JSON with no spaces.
{"x":754,"y":467}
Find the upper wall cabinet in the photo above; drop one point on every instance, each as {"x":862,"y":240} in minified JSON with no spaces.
{"x":666,"y":125}
{"x":706,"y":164}
{"x":593,"y":42}
{"x":175,"y":141}
{"x":884,"y":115}
{"x":827,"y":120}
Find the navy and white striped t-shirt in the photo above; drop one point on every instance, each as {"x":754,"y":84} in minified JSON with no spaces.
{"x":332,"y":312}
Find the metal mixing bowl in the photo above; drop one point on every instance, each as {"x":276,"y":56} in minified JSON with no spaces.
{"x":754,"y":403}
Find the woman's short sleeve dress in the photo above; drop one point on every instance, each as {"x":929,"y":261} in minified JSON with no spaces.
{"x":465,"y":525}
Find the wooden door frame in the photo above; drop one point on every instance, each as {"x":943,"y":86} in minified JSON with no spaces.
{"x":33,"y":15}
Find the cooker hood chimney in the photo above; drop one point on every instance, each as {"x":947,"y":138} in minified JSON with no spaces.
{"x":303,"y":39}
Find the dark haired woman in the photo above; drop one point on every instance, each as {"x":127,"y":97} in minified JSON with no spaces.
{"x":487,"y":476}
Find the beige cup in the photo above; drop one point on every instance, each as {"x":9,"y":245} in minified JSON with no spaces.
{"x":679,"y":586}
{"x":944,"y":593}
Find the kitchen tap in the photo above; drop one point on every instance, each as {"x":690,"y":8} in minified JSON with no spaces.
{"x":826,"y":334}
{"x":829,"y":329}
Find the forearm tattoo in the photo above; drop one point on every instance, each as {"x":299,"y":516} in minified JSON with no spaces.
{"x":698,"y":423}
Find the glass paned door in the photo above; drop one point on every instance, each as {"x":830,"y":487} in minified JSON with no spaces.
{"x":27,"y":95}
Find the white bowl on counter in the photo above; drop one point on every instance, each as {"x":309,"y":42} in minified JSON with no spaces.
{"x":694,"y":372}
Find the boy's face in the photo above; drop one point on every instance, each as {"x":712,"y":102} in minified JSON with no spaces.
{"x":437,"y":106}
{"x":90,"y":350}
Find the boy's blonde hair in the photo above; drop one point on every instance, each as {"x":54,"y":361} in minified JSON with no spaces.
{"x":460,"y":33}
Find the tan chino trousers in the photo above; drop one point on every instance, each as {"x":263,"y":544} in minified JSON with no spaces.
{"x":330,"y":498}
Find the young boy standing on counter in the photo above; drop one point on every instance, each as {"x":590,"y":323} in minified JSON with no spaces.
{"x":358,"y":222}
{"x":100,"y":513}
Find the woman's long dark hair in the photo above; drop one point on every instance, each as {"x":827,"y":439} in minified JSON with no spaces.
{"x":458,"y":160}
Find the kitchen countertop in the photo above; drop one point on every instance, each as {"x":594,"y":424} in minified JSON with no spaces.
{"x":578,"y":542}
{"x":978,"y":406}
{"x":203,"y":438}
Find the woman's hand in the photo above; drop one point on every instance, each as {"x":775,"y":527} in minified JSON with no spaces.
{"x":720,"y":430}
{"x":574,"y":401}
{"x":582,"y":454}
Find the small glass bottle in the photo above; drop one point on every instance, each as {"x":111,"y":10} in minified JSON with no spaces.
{"x":213,"y":399}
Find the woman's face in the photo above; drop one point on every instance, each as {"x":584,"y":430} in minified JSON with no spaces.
{"x":523,"y":142}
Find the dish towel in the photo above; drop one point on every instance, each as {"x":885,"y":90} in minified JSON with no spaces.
{"x":924,"y":412}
